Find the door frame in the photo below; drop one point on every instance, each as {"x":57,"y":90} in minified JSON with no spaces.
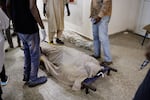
{"x":139,"y":20}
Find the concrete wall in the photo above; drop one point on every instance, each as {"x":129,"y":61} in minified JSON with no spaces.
{"x":124,"y":16}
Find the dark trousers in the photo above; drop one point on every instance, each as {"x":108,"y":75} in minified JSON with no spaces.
{"x":143,"y":92}
{"x":9,"y":37}
{"x":3,"y":79}
{"x":3,"y":75}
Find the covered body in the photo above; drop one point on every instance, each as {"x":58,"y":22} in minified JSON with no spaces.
{"x":68,"y":65}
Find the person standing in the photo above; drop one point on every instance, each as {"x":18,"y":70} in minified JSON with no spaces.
{"x":4,"y":24}
{"x":7,"y":31}
{"x":100,"y":17}
{"x":25,"y":16}
{"x":55,"y":14}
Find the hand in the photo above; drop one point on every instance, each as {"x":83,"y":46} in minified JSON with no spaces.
{"x":43,"y":34}
{"x":68,"y":10}
{"x":97,"y":19}
{"x":68,"y":13}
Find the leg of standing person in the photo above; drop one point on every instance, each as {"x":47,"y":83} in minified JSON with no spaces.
{"x":1,"y":92}
{"x":51,"y":36}
{"x":104,"y":39}
{"x":50,"y":33}
{"x":97,"y":44}
{"x":18,"y":41}
{"x":27,"y":59}
{"x":59,"y":33}
{"x":4,"y":77}
{"x":2,"y":59}
{"x":33,"y":42}
{"x":9,"y":37}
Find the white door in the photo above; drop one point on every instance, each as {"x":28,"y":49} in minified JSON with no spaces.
{"x":144,"y":17}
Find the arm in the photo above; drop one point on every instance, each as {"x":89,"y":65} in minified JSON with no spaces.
{"x":35,"y":13}
{"x":44,"y":7}
{"x":68,"y":10}
{"x":8,"y":8}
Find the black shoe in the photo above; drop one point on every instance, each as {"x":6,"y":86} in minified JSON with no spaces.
{"x":51,"y":42}
{"x":96,"y":57}
{"x":59,"y":41}
{"x":38,"y":81}
{"x":6,"y":50}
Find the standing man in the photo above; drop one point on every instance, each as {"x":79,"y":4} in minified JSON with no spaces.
{"x":4,"y":23}
{"x":25,"y":16}
{"x":55,"y":14}
{"x":7,"y":31}
{"x":100,"y":16}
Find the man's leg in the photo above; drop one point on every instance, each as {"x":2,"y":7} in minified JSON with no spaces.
{"x":34,"y":46}
{"x":27,"y":59}
{"x":9,"y":38}
{"x":103,"y":36}
{"x":1,"y":92}
{"x":18,"y":41}
{"x":4,"y":77}
{"x":97,"y":45}
{"x":59,"y":33}
{"x":51,"y":36}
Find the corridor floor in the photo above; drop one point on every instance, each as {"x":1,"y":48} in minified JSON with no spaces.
{"x":127,"y":53}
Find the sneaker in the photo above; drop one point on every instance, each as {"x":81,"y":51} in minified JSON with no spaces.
{"x":106,"y":63}
{"x":38,"y":81}
{"x":96,"y":57}
{"x":59,"y":41}
{"x":5,"y":83}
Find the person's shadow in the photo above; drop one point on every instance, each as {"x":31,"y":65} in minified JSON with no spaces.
{"x":31,"y":93}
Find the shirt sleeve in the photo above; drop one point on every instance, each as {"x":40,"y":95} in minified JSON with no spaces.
{"x":105,"y":8}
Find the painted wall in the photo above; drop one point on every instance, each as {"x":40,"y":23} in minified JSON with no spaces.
{"x":124,"y":16}
{"x":135,"y":6}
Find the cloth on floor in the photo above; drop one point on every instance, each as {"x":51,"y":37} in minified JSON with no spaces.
{"x":68,"y":65}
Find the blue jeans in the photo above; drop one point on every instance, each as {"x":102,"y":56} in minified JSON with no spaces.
{"x":31,"y":44}
{"x":100,"y":35}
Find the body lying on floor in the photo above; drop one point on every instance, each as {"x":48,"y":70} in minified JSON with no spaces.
{"x":68,"y":65}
